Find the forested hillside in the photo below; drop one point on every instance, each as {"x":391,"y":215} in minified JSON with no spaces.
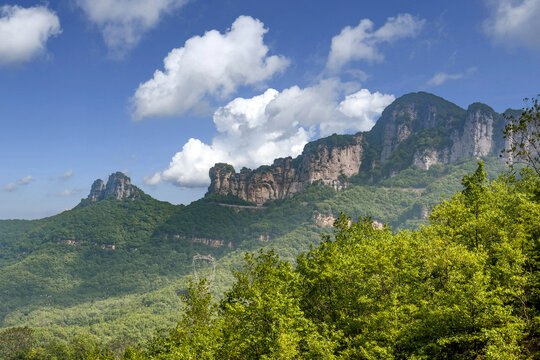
{"x":464,"y":286}
{"x":62,"y":276}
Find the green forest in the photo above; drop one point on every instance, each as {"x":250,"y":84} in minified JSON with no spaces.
{"x":466,"y":286}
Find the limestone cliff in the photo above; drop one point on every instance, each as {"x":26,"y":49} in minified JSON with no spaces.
{"x":409,"y":115}
{"x":424,"y":129}
{"x":417,"y":129}
{"x":330,"y":161}
{"x":476,"y":137}
{"x":118,"y":187}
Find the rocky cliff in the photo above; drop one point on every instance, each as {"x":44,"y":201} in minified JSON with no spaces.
{"x":417,"y":129}
{"x":118,"y":187}
{"x":330,"y":161}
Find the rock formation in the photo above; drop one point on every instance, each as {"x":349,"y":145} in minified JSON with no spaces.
{"x":97,"y":191}
{"x":417,"y":129}
{"x":330,"y":161}
{"x":476,"y":138}
{"x":118,"y":187}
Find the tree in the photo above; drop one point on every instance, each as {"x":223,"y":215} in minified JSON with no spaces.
{"x":261,"y":315}
{"x":16,"y":342}
{"x":357,"y":287}
{"x":522,"y":135}
{"x":196,"y":334}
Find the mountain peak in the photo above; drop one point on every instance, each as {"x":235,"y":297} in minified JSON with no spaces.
{"x":118,"y":186}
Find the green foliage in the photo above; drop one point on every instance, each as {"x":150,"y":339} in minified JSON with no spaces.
{"x":414,"y":177}
{"x":523,"y":135}
{"x":227,"y":199}
{"x":262,"y":318}
{"x":196,"y":336}
{"x":331,"y":141}
{"x":122,"y":295}
{"x":466,"y":286}
{"x":16,"y":342}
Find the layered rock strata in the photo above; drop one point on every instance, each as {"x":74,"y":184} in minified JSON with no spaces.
{"x":323,"y":161}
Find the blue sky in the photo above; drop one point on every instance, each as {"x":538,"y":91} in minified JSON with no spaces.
{"x":84,"y":90}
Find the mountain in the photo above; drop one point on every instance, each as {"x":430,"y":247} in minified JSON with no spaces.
{"x":114,"y":264}
{"x":118,"y":186}
{"x":418,"y":129}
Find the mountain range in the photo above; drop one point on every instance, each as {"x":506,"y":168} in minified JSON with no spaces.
{"x":114,"y":264}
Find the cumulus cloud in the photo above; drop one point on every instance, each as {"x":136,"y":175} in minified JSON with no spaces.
{"x":69,"y":192}
{"x":25,"y":180}
{"x":255,"y":131}
{"x":66,"y":175}
{"x":514,"y":23}
{"x":211,"y":65}
{"x":124,"y":22}
{"x":9,"y":187}
{"x":24,"y":32}
{"x":362,"y":42}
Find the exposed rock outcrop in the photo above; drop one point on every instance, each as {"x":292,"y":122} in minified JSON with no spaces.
{"x":210,"y":242}
{"x":476,"y":137}
{"x":97,"y":190}
{"x":424,"y":159}
{"x":412,"y":114}
{"x":324,"y":220}
{"x":118,"y":187}
{"x":330,"y":161}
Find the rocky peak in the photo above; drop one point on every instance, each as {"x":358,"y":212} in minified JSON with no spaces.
{"x":96,"y":191}
{"x":409,"y":115}
{"x":118,"y":186}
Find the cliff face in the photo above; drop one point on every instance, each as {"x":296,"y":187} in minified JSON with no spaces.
{"x":118,"y":186}
{"x":419,"y":128}
{"x":413,"y":114}
{"x":476,"y":138}
{"x":329,"y":161}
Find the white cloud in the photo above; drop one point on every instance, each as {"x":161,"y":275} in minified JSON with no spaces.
{"x":10,"y":187}
{"x":69,"y":192}
{"x":442,"y":77}
{"x":212,"y":65}
{"x":25,"y":180}
{"x":66,"y":175}
{"x":255,"y":131}
{"x":13,"y":186}
{"x":365,"y":106}
{"x":25,"y":31}
{"x":124,"y":22}
{"x":514,"y":23}
{"x":361,"y":42}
